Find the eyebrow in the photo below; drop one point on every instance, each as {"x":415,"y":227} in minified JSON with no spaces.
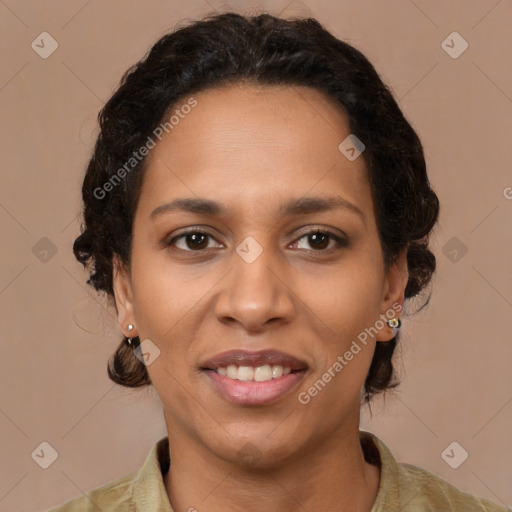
{"x":302,"y":206}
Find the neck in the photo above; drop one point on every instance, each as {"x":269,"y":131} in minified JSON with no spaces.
{"x":330,"y":476}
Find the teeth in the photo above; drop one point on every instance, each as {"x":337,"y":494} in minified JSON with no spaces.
{"x":245,"y":373}
{"x":232,"y":372}
{"x":277,"y":371}
{"x":259,"y":374}
{"x":263,"y":373}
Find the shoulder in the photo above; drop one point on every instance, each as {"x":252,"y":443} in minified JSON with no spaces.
{"x":413,"y":489}
{"x":427,"y":492}
{"x":132,"y":492}
{"x":113,"y":496}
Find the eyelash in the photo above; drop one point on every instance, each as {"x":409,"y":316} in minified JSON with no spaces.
{"x":342,"y":243}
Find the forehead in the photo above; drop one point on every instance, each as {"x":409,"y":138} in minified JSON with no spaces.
{"x":251,"y":140}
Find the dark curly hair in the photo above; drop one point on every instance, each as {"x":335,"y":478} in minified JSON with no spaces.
{"x":230,"y":48}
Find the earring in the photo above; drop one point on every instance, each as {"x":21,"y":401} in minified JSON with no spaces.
{"x":395,"y":323}
{"x":130,"y":328}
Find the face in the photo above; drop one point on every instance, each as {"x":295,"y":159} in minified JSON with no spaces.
{"x":266,"y":294}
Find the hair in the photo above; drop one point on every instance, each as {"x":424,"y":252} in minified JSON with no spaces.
{"x":228,"y":49}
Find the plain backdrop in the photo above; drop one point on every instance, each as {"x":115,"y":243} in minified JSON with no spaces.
{"x":57,"y":334}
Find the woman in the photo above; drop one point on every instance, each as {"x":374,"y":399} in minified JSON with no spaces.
{"x":259,"y":209}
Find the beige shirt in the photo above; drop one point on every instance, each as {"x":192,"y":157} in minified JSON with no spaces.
{"x":402,"y":487}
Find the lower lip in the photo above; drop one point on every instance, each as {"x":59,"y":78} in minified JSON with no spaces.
{"x":252,"y":392}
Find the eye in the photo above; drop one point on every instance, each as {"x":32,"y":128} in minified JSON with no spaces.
{"x":321,"y":241}
{"x":197,"y":240}
{"x":194,"y":240}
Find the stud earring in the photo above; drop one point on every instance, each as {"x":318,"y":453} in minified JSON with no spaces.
{"x":130,"y":328}
{"x":395,"y":323}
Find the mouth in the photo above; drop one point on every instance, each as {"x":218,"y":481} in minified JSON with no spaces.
{"x":257,"y":374}
{"x":254,"y":378}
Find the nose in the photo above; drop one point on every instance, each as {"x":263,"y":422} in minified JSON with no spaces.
{"x":255,"y":295}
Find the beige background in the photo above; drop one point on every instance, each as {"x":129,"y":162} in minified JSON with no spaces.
{"x":56,"y":334}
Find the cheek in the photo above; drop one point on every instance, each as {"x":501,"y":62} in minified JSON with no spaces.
{"x":348,"y":303}
{"x":163,"y":295}
{"x":350,"y":307}
{"x":348,"y":300}
{"x":169,"y":304}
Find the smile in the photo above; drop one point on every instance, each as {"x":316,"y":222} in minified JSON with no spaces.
{"x":254,"y":378}
{"x":258,"y":374}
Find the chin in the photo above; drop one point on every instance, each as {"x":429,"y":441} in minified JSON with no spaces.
{"x":257,"y":450}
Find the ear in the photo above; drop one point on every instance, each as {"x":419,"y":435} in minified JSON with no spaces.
{"x":393,"y":294}
{"x":123,"y":297}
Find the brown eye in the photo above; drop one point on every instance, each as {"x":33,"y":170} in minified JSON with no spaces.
{"x":194,"y":240}
{"x":197,"y":241}
{"x":320,"y":241}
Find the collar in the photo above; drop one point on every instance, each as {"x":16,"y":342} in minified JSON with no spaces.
{"x":149,"y":489}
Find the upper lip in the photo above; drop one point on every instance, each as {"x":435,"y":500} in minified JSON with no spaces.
{"x":255,"y":359}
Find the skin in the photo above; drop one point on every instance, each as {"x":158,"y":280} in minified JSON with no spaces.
{"x":252,"y":149}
